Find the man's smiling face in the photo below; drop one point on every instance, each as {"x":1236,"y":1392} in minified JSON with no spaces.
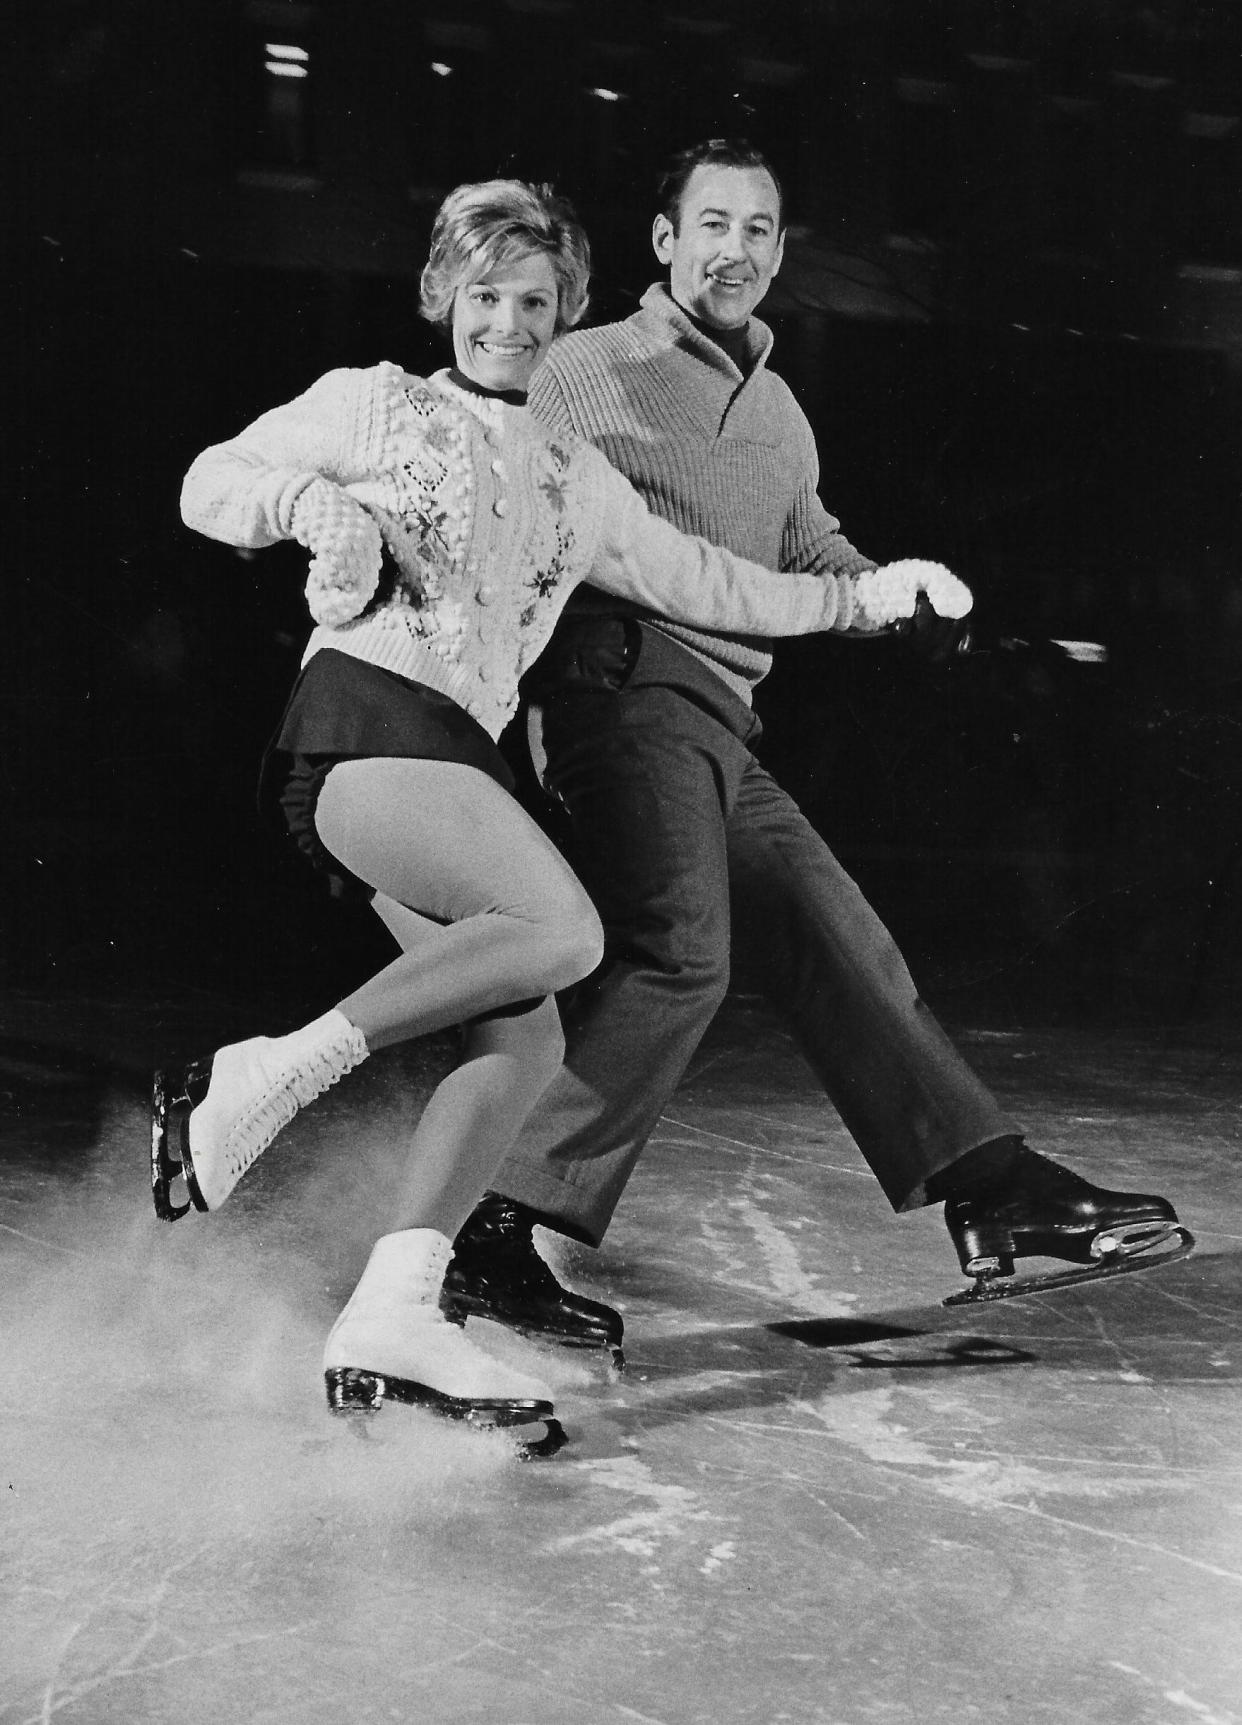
{"x":727,"y":245}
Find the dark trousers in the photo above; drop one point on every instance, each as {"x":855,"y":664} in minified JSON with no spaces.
{"x":676,"y":829}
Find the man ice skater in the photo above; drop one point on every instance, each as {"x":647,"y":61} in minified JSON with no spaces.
{"x":648,"y":733}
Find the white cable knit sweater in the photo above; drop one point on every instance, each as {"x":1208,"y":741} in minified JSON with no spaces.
{"x":490,"y":521}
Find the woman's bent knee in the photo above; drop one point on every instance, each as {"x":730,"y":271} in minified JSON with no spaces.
{"x":535,"y":1039}
{"x":575,"y":950}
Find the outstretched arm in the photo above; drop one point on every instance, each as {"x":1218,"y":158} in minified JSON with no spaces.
{"x":689,"y":581}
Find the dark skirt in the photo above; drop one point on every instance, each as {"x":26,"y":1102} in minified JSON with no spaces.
{"x":344,"y":709}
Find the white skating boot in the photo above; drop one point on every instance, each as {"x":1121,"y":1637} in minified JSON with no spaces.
{"x":228,"y":1109}
{"x":392,"y":1342}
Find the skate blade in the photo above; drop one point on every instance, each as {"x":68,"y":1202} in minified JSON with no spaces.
{"x":352,"y":1390}
{"x":165,"y":1169}
{"x":458,"y":1307}
{"x":174,"y":1095}
{"x":1145,"y":1247}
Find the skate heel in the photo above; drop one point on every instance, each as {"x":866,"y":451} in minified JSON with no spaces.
{"x":196,"y":1079}
{"x":174,"y":1094}
{"x":353,"y":1392}
{"x":985,"y":1250}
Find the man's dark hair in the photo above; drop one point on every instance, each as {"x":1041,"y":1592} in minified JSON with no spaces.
{"x":712,"y":153}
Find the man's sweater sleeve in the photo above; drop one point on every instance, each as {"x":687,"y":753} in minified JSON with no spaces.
{"x":243,"y":492}
{"x":689,"y":581}
{"x":812,"y":539}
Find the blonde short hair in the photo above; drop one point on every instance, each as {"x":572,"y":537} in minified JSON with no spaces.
{"x":493,"y":222}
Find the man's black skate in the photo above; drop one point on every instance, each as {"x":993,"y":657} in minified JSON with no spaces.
{"x":1053,"y":1213}
{"x":496,"y":1273}
{"x":353,"y":1391}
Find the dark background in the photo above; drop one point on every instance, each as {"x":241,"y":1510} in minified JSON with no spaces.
{"x":1011,"y":305}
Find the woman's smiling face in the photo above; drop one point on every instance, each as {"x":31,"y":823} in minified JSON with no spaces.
{"x":503,"y":324}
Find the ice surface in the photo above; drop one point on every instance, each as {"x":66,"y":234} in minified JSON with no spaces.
{"x":815,"y":1497}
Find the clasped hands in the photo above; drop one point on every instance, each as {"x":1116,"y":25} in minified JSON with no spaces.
{"x":924,"y":603}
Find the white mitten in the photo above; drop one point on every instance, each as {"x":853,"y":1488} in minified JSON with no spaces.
{"x":947,"y":596}
{"x":889,"y":594}
{"x":884,"y":596}
{"x":345,"y":546}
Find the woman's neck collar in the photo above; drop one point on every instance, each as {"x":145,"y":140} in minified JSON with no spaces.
{"x":513,"y":397}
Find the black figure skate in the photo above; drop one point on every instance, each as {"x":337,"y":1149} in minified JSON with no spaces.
{"x":497,"y":1273}
{"x":1053,"y":1213}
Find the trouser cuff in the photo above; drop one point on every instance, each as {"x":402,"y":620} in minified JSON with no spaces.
{"x":556,"y":1204}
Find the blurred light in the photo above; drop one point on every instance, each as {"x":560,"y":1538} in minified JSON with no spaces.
{"x":607,"y":95}
{"x":441,"y":70}
{"x":1142,"y":81}
{"x":999,"y":63}
{"x":1084,"y":652}
{"x":284,"y":69}
{"x":285,"y":51}
{"x":1220,"y":273}
{"x":1210,"y":125}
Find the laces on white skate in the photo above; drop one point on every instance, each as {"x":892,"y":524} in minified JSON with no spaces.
{"x":287,"y":1089}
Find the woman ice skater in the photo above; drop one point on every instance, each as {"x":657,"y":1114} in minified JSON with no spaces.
{"x":446,"y":530}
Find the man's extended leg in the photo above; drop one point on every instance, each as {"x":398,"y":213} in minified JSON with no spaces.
{"x":929,"y":1129}
{"x":834,"y":974}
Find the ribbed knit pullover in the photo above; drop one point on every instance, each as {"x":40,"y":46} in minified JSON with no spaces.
{"x":717,"y":452}
{"x":488,"y":521}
